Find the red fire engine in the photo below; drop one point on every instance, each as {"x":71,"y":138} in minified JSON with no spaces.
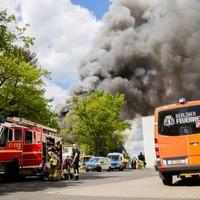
{"x":23,"y":147}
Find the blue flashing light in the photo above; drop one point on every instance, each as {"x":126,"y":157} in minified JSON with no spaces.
{"x":182,"y":100}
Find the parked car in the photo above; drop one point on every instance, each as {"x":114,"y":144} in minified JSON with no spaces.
{"x":98,"y":164}
{"x":84,"y":160}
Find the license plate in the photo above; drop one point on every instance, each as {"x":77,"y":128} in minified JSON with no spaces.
{"x":176,"y":162}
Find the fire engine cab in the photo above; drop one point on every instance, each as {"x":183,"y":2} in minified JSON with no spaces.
{"x":23,"y":147}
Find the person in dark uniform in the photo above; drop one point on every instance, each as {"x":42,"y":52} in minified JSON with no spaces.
{"x":67,"y":165}
{"x":142,"y":158}
{"x":75,"y":161}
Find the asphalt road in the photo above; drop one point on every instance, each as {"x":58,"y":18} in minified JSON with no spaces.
{"x":129,"y":184}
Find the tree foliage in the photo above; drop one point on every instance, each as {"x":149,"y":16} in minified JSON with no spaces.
{"x":96,"y":123}
{"x":21,"y":79}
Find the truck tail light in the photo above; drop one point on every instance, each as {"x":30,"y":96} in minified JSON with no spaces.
{"x":156,"y":148}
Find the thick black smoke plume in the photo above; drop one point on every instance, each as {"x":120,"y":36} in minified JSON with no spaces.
{"x":147,"y":49}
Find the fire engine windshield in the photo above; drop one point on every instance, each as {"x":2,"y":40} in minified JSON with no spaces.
{"x":179,"y":121}
{"x":4,"y":136}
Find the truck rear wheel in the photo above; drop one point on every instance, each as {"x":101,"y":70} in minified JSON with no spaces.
{"x":167,"y":180}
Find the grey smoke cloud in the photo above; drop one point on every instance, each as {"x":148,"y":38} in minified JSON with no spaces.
{"x":148,"y":50}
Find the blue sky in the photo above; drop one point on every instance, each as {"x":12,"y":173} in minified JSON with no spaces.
{"x":59,"y":44}
{"x":98,"y":7}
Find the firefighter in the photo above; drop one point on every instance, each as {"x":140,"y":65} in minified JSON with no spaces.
{"x":54,"y":153}
{"x":75,"y":161}
{"x":54,"y":163}
{"x":57,"y":149}
{"x":141,"y":157}
{"x":67,"y":165}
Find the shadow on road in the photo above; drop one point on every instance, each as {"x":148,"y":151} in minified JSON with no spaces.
{"x":34,"y":184}
{"x":187,"y":182}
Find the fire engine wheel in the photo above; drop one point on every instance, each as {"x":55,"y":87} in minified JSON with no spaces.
{"x":12,"y":170}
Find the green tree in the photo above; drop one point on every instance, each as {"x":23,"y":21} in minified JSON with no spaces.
{"x":95,"y":121}
{"x":21,"y":79}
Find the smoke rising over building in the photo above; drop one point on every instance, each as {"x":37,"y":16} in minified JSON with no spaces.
{"x":147,"y":49}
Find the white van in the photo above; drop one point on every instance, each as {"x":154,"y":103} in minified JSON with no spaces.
{"x":117,"y":161}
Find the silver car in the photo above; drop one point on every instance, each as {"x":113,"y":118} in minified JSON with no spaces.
{"x":98,"y":163}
